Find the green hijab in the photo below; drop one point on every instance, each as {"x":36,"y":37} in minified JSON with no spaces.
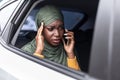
{"x":48,"y":14}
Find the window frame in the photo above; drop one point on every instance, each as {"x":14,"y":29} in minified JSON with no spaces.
{"x":52,"y":65}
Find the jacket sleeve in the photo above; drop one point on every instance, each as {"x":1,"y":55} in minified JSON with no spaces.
{"x":72,"y":63}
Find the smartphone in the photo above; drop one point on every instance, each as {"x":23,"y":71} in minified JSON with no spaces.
{"x":65,"y":38}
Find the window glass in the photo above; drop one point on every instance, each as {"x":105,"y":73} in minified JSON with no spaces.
{"x":71,"y":19}
{"x":29,"y":24}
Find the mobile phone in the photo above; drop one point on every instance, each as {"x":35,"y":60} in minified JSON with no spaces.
{"x":65,"y":38}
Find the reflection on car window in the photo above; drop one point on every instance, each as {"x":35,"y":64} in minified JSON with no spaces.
{"x":71,"y":19}
{"x":29,"y":24}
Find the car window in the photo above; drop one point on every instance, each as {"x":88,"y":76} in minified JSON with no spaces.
{"x":29,"y":23}
{"x":73,"y":18}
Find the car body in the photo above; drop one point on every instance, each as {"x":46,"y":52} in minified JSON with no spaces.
{"x":96,"y":27}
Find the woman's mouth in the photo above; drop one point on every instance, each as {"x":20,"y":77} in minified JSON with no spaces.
{"x":56,"y":41}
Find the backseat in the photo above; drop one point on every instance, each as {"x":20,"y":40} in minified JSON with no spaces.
{"x":24,"y":37}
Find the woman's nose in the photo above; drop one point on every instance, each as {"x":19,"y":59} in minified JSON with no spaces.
{"x":56,"y":33}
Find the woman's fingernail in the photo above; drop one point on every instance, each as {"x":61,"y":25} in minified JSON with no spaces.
{"x":65,"y":34}
{"x":66,"y":29}
{"x":42,"y":23}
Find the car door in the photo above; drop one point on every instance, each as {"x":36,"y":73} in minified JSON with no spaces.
{"x":14,"y":63}
{"x":105,"y":57}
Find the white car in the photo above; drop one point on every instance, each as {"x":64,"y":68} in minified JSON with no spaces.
{"x":95,"y":24}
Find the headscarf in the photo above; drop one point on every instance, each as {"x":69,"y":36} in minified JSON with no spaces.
{"x":56,"y":54}
{"x":49,"y":14}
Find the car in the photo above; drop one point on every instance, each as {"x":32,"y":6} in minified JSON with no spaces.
{"x":95,"y":24}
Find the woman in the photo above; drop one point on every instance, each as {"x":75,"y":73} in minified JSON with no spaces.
{"x":49,"y":42}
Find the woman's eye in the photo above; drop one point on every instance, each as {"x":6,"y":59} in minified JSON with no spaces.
{"x":61,"y":28}
{"x":50,"y":29}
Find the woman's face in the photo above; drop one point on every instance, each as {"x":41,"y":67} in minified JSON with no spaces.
{"x":53,"y":33}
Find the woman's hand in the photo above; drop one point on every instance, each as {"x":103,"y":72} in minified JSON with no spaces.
{"x":39,"y":40}
{"x":69,"y":46}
